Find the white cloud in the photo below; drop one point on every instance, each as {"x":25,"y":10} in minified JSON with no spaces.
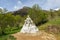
{"x":57,"y":9}
{"x":19,"y":2}
{"x":1,"y":8}
{"x":18,"y":6}
{"x":52,"y":4}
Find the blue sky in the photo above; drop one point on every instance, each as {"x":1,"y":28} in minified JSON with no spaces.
{"x":12,"y":5}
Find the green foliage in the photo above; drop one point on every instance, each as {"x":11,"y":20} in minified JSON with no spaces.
{"x":10,"y":30}
{"x":11,"y":22}
{"x":38,"y":16}
{"x":7,"y":37}
{"x":55,"y":21}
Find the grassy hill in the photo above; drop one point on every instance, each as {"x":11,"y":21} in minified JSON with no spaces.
{"x":52,"y":27}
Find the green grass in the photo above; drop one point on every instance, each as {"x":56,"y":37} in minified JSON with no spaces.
{"x":7,"y":37}
{"x":55,"y":21}
{"x":51,"y":22}
{"x":9,"y":31}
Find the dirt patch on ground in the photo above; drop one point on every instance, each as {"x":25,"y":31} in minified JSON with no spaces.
{"x":37,"y":36}
{"x":53,"y":29}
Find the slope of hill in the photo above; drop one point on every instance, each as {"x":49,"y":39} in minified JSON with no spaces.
{"x":52,"y":27}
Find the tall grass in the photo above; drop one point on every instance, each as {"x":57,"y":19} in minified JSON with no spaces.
{"x":7,"y":37}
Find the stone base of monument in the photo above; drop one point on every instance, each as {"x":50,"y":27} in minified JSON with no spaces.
{"x":31,"y":29}
{"x":29,"y":26}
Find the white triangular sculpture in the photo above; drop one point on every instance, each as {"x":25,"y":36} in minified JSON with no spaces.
{"x":29,"y":26}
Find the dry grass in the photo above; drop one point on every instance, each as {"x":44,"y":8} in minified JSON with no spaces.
{"x":37,"y":36}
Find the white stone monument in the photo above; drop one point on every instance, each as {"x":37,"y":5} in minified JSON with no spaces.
{"x":29,"y":26}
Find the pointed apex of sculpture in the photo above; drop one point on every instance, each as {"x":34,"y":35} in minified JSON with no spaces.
{"x":28,"y":16}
